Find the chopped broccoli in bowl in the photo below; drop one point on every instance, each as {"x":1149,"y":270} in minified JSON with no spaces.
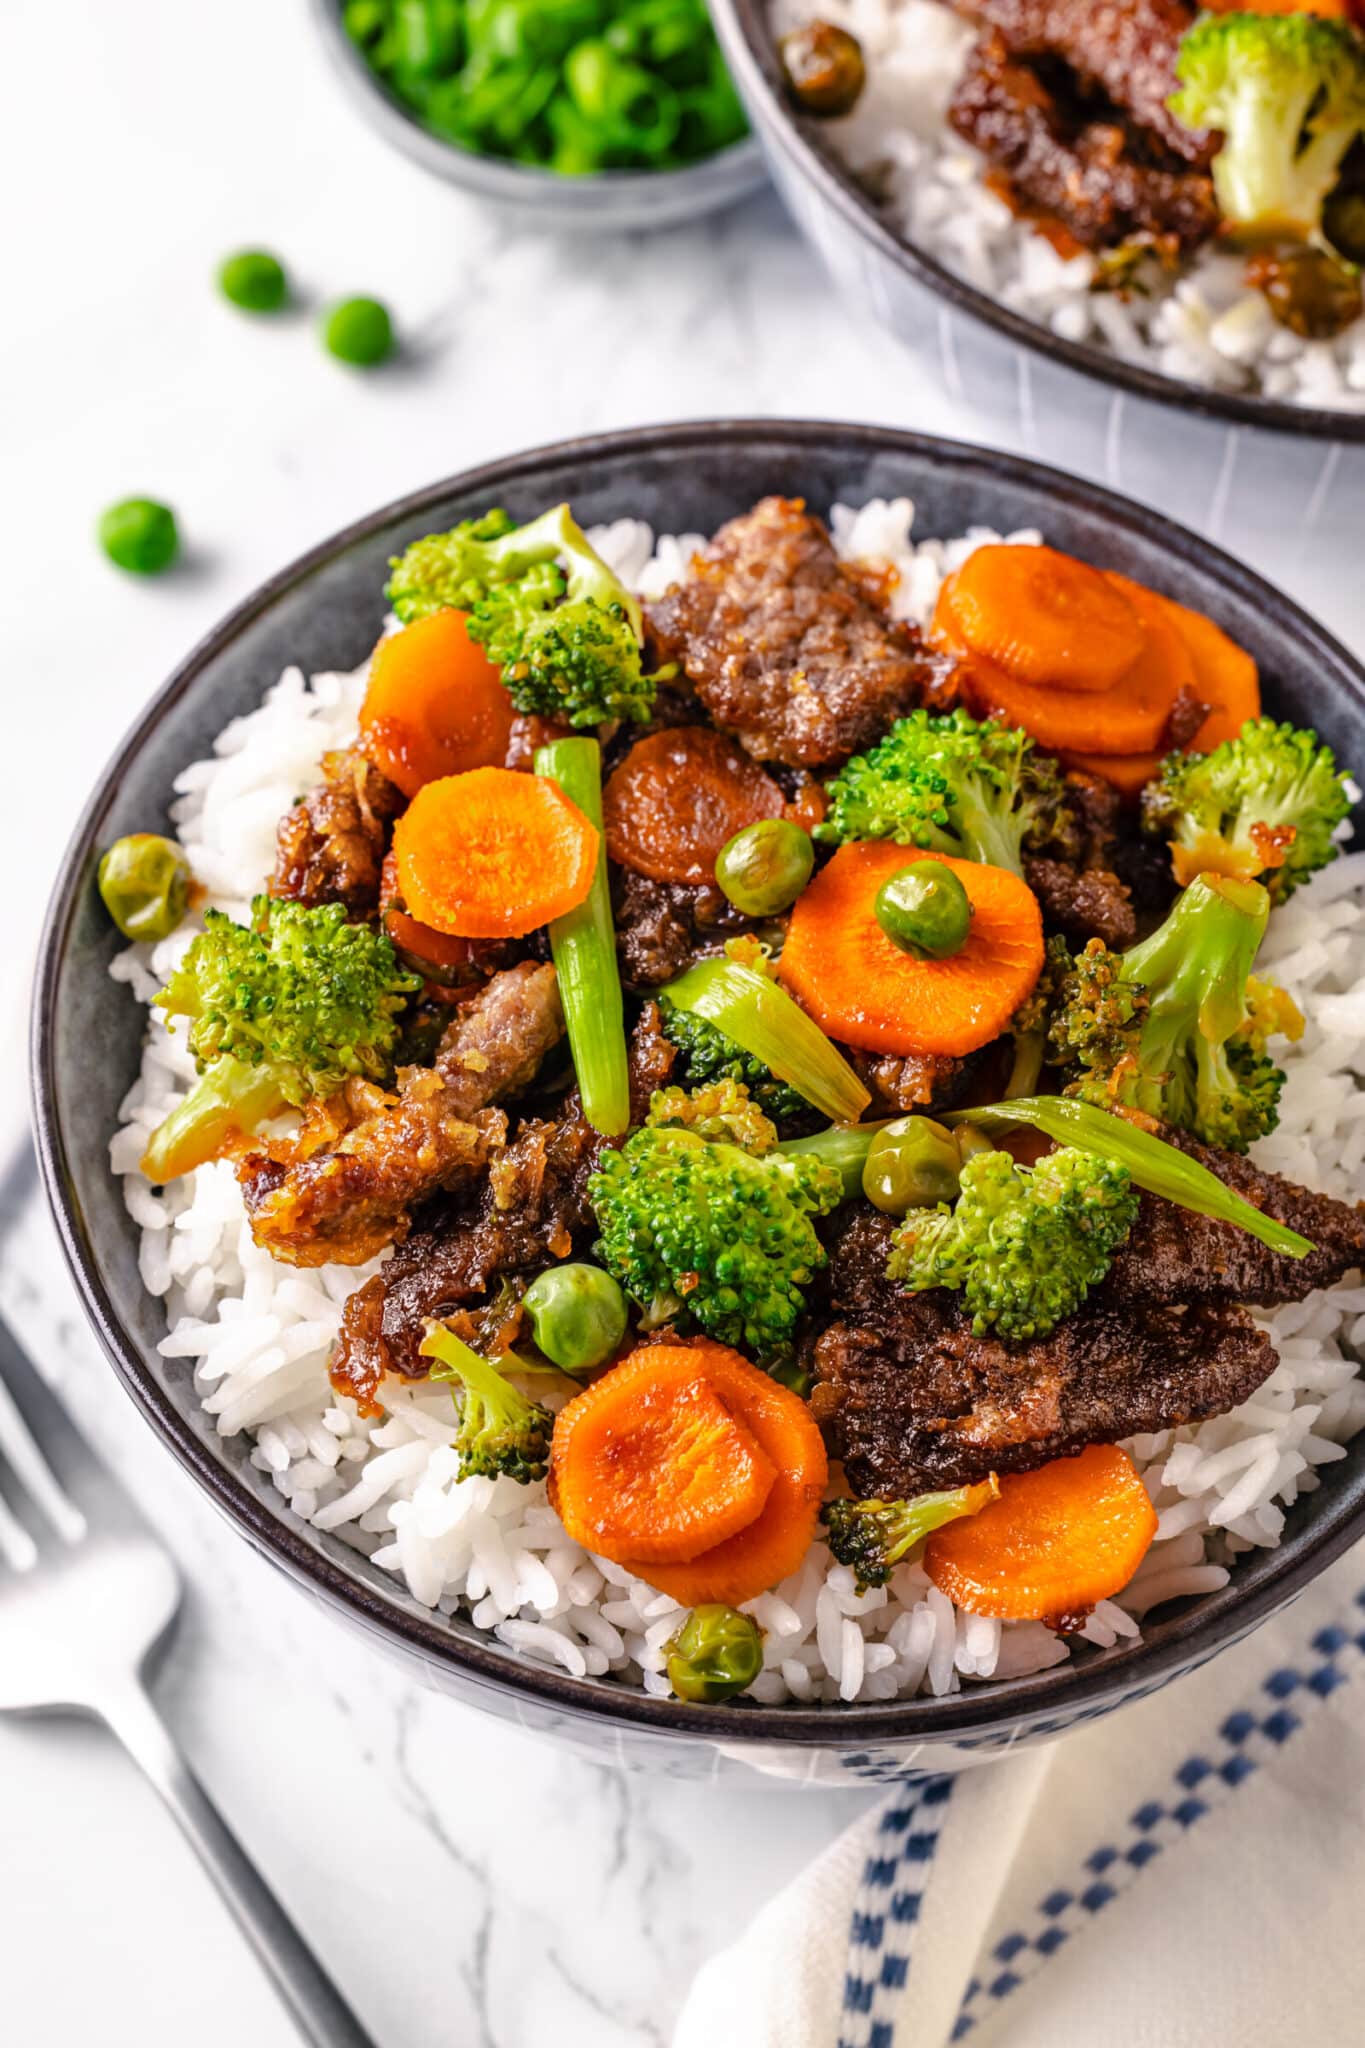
{"x":1266,"y":804}
{"x":1023,"y":1245}
{"x":949,"y":785}
{"x":560,"y":624}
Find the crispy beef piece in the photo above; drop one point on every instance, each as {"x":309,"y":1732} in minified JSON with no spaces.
{"x":1173,"y":1255}
{"x":330,"y":847}
{"x":1086,"y":177}
{"x":493,"y":1047}
{"x":900,"y":1085}
{"x":662,"y":927}
{"x":1082,"y":903}
{"x":782,"y":644}
{"x":918,"y":1402}
{"x":344,"y":1186}
{"x":1125,"y":48}
{"x":532,"y":1208}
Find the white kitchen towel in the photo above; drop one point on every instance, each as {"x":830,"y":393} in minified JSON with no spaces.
{"x":1186,"y":1873}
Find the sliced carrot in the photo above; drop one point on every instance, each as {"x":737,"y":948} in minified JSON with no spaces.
{"x":1055,"y":1542}
{"x":422,"y":942}
{"x":1225,"y":675}
{"x":1043,"y":617}
{"x":677,"y":797}
{"x":492,"y":854}
{"x":749,"y":1562}
{"x":864,"y":991}
{"x":434,"y":705}
{"x":650,"y":1463}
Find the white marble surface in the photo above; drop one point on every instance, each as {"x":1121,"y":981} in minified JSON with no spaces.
{"x":469,"y":1887}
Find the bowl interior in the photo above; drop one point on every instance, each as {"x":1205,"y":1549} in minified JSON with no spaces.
{"x":324,"y":613}
{"x":801,"y":146}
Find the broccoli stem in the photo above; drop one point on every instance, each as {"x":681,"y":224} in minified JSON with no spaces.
{"x":766,"y":1022}
{"x":583,"y":947}
{"x":1197,"y":963}
{"x":556,"y":535}
{"x":1152,"y":1163}
{"x":232,"y":1099}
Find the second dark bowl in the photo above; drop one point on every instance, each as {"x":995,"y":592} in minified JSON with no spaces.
{"x":976,"y":340}
{"x":324,"y":612}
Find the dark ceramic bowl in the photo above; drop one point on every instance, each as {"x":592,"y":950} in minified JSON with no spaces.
{"x":987,"y":354}
{"x":323,"y":613}
{"x":610,"y":200}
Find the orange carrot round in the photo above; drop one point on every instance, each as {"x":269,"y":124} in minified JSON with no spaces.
{"x":1044,"y":617}
{"x":433,"y":705}
{"x":732,"y":1568}
{"x":1129,"y":773}
{"x":1225,"y":675}
{"x":492,"y":854}
{"x":650,"y":1463}
{"x":1056,"y":1541}
{"x":863,"y":990}
{"x":677,"y":797}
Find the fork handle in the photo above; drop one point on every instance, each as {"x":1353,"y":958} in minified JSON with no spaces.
{"x":317,"y":2008}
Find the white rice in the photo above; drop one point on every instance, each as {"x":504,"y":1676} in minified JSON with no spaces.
{"x":256,"y":1335}
{"x":1204,"y":327}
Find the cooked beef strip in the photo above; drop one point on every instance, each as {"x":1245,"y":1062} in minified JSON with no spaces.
{"x":344,"y":1186}
{"x":1082,"y":903}
{"x":1127,"y":48}
{"x":782,"y":644}
{"x":1173,"y":1255}
{"x":918,"y":1402}
{"x":532,"y":1208}
{"x":915,"y":1082}
{"x":1086,"y":177}
{"x":662,"y":927}
{"x":330,"y":847}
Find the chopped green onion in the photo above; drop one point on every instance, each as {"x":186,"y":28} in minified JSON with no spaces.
{"x":761,"y":1017}
{"x":1153,"y":1164}
{"x":583,"y":948}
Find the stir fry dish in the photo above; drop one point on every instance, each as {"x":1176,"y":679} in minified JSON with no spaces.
{"x":789,"y":1078}
{"x":1153,"y":142}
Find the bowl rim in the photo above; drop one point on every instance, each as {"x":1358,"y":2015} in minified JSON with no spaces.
{"x":737,"y":168}
{"x":751,"y":53}
{"x":1069,"y":1692}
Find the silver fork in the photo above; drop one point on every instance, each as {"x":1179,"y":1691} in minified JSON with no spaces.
{"x":86,"y":1594}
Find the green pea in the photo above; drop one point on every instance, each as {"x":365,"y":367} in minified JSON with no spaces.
{"x":924,"y":909}
{"x":145,"y":883}
{"x":578,"y":1315}
{"x":764,"y":868}
{"x":913,"y":1163}
{"x":716,"y":1653}
{"x":254,"y":280}
{"x":139,"y":535}
{"x":358,"y":331}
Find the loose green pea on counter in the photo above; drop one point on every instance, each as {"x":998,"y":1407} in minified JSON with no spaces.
{"x":573,"y":86}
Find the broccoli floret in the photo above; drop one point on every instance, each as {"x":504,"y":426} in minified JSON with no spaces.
{"x":722,"y":1109}
{"x":702,"y":1231}
{"x":281,"y":1010}
{"x":949,"y":785}
{"x":1176,"y":1026}
{"x":501,"y":1433}
{"x":872,"y":1536}
{"x":1288,"y":94}
{"x":559,"y":623}
{"x":1266,"y":803}
{"x":710,"y":1054}
{"x":1024,"y":1245}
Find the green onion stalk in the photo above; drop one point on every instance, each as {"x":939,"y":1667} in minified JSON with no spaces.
{"x":1153,"y":1164}
{"x":583,"y":948}
{"x":767,"y":1023}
